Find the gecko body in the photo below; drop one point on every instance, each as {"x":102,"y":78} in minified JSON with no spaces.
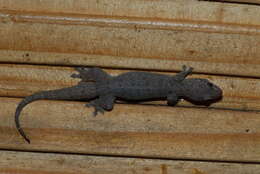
{"x":102,"y":89}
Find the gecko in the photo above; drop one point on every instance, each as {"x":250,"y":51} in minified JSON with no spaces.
{"x":102,"y":90}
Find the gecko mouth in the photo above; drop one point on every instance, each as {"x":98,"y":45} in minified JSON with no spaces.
{"x":207,"y":101}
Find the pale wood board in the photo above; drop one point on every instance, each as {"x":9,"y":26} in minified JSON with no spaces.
{"x":218,"y":39}
{"x":23,"y":80}
{"x":35,"y":163}
{"x":185,"y":10}
{"x":144,"y":43}
{"x":133,"y":130}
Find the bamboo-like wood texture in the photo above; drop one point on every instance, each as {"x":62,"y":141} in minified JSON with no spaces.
{"x":35,"y":163}
{"x":225,"y":42}
{"x":41,"y":42}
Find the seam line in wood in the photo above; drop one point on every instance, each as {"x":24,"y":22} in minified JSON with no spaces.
{"x":124,"y":156}
{"x":131,"y":22}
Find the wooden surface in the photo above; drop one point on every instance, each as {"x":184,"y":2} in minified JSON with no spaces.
{"x":41,"y":42}
{"x":98,"y":34}
{"x":134,"y":130}
{"x":35,"y":163}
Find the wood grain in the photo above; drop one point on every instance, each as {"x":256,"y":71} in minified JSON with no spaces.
{"x":161,"y":9}
{"x":218,"y":39}
{"x":35,"y":163}
{"x":133,"y":130}
{"x":130,"y":42}
{"x":23,"y":80}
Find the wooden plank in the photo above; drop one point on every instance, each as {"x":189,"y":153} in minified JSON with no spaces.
{"x":35,"y":163}
{"x":23,"y":80}
{"x":130,"y":43}
{"x":189,"y":10}
{"x":133,"y":130}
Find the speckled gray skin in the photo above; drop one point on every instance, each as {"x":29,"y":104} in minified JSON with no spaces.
{"x":103,"y":89}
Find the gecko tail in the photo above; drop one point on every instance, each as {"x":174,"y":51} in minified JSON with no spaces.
{"x":19,"y":109}
{"x":81,"y":91}
{"x":17,"y":123}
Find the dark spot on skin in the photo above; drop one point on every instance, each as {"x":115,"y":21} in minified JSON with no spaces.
{"x":247,"y":130}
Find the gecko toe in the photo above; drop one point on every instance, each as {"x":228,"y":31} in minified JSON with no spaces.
{"x":97,"y":108}
{"x":97,"y":111}
{"x":187,"y":69}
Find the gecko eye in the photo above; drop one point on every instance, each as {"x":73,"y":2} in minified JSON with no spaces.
{"x":210,"y":84}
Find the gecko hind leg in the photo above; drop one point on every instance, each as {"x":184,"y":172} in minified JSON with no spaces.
{"x":184,"y":73}
{"x":102,"y":104}
{"x":91,"y":74}
{"x":172,"y":99}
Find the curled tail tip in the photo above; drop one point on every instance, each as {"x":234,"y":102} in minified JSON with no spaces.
{"x":27,"y":140}
{"x":17,"y":122}
{"x":21,"y":132}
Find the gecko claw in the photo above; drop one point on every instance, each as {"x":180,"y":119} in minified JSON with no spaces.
{"x":97,"y":109}
{"x":20,"y":130}
{"x":187,"y":69}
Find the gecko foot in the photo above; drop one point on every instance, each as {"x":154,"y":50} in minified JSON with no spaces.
{"x":187,"y":69}
{"x":97,"y":108}
{"x":83,"y":74}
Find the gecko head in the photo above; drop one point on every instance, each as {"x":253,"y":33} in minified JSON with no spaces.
{"x":201,"y":91}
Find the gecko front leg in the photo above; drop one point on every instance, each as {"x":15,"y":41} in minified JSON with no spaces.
{"x":102,"y":104}
{"x":184,"y":73}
